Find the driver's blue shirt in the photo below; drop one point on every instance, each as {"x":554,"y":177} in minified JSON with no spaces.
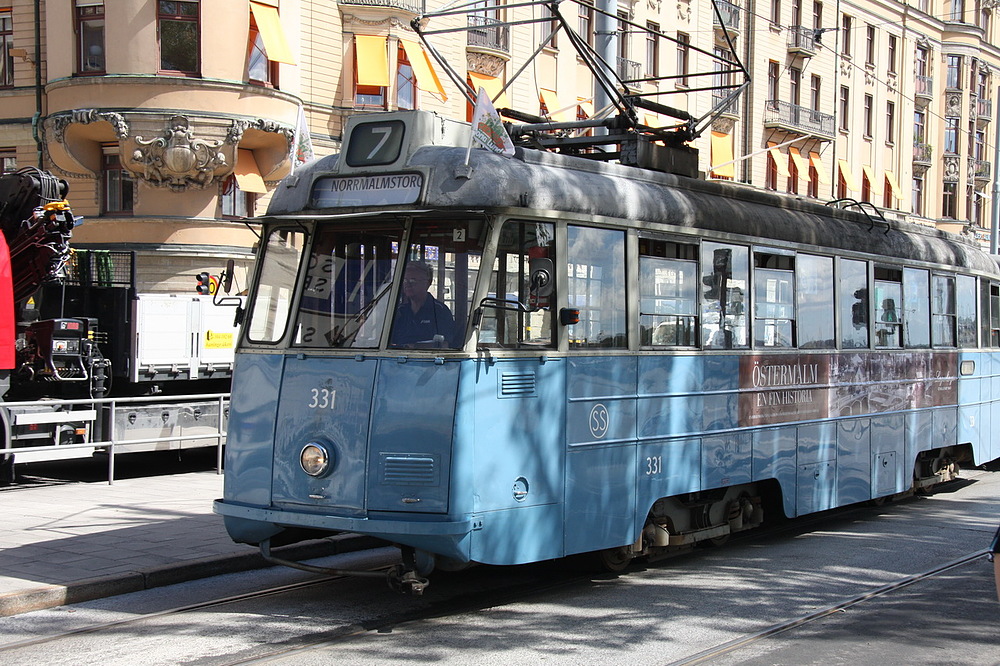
{"x":433,"y":318}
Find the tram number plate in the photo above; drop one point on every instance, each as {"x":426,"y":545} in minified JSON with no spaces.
{"x":654,"y":465}
{"x":323,"y":398}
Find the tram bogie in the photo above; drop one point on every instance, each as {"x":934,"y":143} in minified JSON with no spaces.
{"x":671,"y":361}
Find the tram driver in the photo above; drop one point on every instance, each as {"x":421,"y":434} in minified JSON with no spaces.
{"x":421,"y":320}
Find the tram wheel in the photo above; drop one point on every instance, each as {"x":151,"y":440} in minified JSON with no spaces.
{"x":613,"y":560}
{"x":6,"y":470}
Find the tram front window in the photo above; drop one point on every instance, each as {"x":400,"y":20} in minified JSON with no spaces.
{"x":273,"y":297}
{"x":439,"y":274}
{"x":346,"y":292}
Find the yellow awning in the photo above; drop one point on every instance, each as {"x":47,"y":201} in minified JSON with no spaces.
{"x":586,"y":104}
{"x":817,"y":163}
{"x":870,"y":175}
{"x":890,"y":178}
{"x":558,"y":111}
{"x":779,"y":159}
{"x":652,"y":120}
{"x":269,"y":26}
{"x":247,"y":173}
{"x":845,"y":172}
{"x":801,"y":165}
{"x":492,"y":85}
{"x":370,"y":60}
{"x":427,"y":78}
{"x":722,"y":153}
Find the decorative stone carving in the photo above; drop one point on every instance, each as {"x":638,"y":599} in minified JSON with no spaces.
{"x":951,"y":168}
{"x":235,"y":133}
{"x":483,"y":63}
{"x":177,"y":159}
{"x":953,"y":104}
{"x":85,"y":117}
{"x":724,"y":125}
{"x":684,"y":11}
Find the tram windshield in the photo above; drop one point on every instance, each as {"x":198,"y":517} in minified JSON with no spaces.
{"x":347,"y":298}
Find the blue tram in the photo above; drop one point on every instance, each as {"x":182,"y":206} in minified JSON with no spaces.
{"x":518,"y":359}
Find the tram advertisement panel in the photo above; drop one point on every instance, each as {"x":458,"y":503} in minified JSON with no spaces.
{"x":784,"y":388}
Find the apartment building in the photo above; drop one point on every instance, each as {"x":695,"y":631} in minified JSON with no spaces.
{"x":174,"y":120}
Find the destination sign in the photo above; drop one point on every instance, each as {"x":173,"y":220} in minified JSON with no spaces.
{"x":381,"y":190}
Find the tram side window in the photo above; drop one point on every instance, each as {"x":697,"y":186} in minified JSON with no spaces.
{"x":668,"y":293}
{"x":597,"y":287}
{"x":518,"y":312}
{"x":994,"y":314}
{"x":774,"y":300}
{"x":943,"y":314}
{"x":965,"y":302}
{"x":853,"y":304}
{"x":439,"y":276}
{"x":888,"y":307}
{"x":725,"y":276}
{"x":268,"y":314}
{"x":345,"y":294}
{"x":916,"y":308}
{"x":814,"y":300}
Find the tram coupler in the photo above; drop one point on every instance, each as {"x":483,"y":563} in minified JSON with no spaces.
{"x":265,"y":552}
{"x":406,"y":577}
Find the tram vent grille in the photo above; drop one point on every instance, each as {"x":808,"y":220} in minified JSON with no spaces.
{"x":517,"y":384}
{"x":409,"y":470}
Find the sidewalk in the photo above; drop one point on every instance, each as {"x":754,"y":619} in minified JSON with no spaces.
{"x":75,"y":542}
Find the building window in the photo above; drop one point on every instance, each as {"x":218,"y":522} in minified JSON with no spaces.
{"x":919,"y":127}
{"x":815,"y":91}
{"x":845,"y":107}
{"x":845,"y":29}
{"x":776,"y":12}
{"x":118,"y":184}
{"x":267,"y":47}
{"x":552,"y":29}
{"x":922,"y":57}
{"x":917,"y":196}
{"x":949,"y":201}
{"x":870,"y":46}
{"x":406,"y":82}
{"x":951,"y":135}
{"x":371,"y":72}
{"x":8,"y":161}
{"x":817,"y":15}
{"x":892,"y":53}
{"x":6,"y":42}
{"x":956,"y":10}
{"x":866,"y":187}
{"x":771,"y":173}
{"x":890,"y":122}
{"x":683,"y":57}
{"x":623,"y":34}
{"x":796,"y":12}
{"x":868,"y":116}
{"x":179,"y":31}
{"x":585,"y":23}
{"x":812,"y":186}
{"x":954,"y":72}
{"x":653,"y":49}
{"x":773,"y":72}
{"x":795,"y":81}
{"x":793,"y":176}
{"x":234,"y":202}
{"x":89,"y":37}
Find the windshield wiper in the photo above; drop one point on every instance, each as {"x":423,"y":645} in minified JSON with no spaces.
{"x":343,"y":336}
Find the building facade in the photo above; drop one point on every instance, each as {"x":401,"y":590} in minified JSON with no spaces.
{"x":174,"y":120}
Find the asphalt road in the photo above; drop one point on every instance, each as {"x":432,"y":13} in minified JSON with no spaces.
{"x":743,"y":603}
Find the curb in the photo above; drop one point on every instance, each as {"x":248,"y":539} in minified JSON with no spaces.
{"x":51,"y":596}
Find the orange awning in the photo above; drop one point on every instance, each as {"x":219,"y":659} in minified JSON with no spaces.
{"x":722,"y":154}
{"x":845,"y":171}
{"x":558,"y":111}
{"x":370,"y":60}
{"x":817,"y":163}
{"x":779,"y":159}
{"x":870,"y":175}
{"x":247,"y":173}
{"x":269,"y":26}
{"x":493,"y":86}
{"x":890,"y":178}
{"x":801,"y":165}
{"x":427,"y":78}
{"x":586,"y":105}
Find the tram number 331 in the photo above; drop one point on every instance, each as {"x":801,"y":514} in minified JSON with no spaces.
{"x":654,"y":465}
{"x":322,"y":398}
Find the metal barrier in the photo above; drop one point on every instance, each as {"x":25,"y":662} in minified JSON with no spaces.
{"x":53,"y":412}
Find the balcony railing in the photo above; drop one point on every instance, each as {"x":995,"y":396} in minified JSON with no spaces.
{"x":802,"y":40}
{"x":794,"y":118}
{"x":984,"y":108}
{"x":731,"y":108}
{"x":922,"y":153}
{"x":980,"y":169}
{"x":489,"y":33}
{"x":923,"y":86}
{"x":629,"y":70}
{"x":730,"y":15}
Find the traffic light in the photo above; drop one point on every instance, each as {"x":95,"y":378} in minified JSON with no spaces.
{"x":204,"y":283}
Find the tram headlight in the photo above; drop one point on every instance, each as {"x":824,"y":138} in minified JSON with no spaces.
{"x":315,"y":459}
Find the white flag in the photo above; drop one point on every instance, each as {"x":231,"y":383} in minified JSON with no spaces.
{"x":487,"y":127}
{"x":303,"y":141}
